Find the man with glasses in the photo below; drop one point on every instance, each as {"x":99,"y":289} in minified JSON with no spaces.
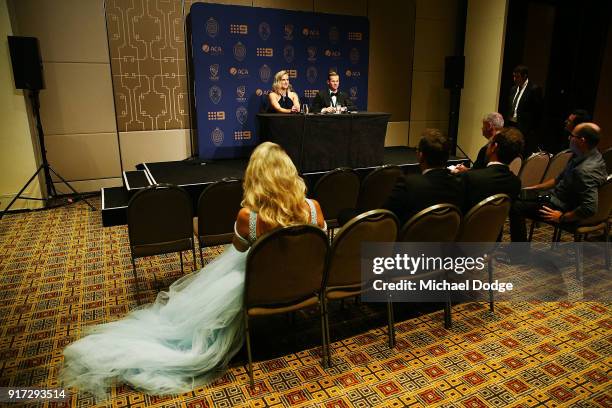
{"x":570,"y":197}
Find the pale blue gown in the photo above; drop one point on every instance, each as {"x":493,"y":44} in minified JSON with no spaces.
{"x":184,"y":339}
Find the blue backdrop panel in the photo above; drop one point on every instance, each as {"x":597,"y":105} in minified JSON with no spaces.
{"x":237,"y":50}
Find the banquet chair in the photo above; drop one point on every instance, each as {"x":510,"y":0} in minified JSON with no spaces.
{"x":284,"y":273}
{"x":343,"y":275}
{"x":557,"y":164}
{"x":336,"y":191}
{"x":515,"y":166}
{"x":607,"y":157}
{"x":483,"y":223}
{"x":533,"y":169}
{"x":376,"y":187}
{"x":597,"y":222}
{"x":438,"y":223}
{"x":216,"y":213}
{"x":159,"y":220}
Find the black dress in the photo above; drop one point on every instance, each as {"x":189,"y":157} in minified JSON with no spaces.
{"x":285,"y":102}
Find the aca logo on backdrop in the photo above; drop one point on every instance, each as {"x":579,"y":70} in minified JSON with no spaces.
{"x":352,"y":74}
{"x":213,"y":50}
{"x":335,"y":54}
{"x":311,"y":33}
{"x":261,"y":92}
{"x":239,"y":73}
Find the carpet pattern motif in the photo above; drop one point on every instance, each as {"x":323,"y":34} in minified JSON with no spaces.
{"x":61,"y":271}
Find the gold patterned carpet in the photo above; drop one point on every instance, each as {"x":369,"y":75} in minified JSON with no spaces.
{"x":62,"y":271}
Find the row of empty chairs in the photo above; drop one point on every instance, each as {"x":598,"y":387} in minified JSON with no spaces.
{"x":160,"y":217}
{"x":539,"y":167}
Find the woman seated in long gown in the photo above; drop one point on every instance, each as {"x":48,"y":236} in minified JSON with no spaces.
{"x":188,"y":335}
{"x":282,"y":99}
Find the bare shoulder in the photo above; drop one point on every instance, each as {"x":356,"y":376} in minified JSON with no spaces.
{"x":320,"y":215}
{"x":242,"y":222}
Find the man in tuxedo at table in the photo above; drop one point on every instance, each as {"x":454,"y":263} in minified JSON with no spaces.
{"x":327,"y":100}
{"x":496,"y":177}
{"x":525,"y":108}
{"x":435,"y":184}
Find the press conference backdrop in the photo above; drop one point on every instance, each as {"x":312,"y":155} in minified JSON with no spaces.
{"x":236,"y":52}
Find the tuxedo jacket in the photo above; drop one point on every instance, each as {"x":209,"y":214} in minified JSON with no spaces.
{"x":483,"y":183}
{"x":529,"y":110}
{"x":323,"y":100}
{"x":415,"y":192}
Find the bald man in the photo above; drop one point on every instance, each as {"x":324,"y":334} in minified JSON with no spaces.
{"x":572,"y":196}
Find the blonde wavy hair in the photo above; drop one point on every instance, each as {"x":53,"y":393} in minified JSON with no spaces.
{"x":273,"y":188}
{"x":277,"y":78}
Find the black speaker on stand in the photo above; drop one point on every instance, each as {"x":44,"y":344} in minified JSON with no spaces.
{"x":28,"y":75}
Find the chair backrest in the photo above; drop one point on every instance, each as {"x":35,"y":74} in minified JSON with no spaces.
{"x":160,"y":220}
{"x":485,"y":220}
{"x":557,"y":164}
{"x":285,"y":266}
{"x":438,"y":223}
{"x":604,"y":204}
{"x":218,"y":206}
{"x":533,"y":169}
{"x":377,"y":186}
{"x":344,"y":262}
{"x":515,"y":165}
{"x":607,"y":157}
{"x":336,"y":191}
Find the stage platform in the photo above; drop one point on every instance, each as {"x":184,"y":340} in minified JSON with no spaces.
{"x":195,"y":175}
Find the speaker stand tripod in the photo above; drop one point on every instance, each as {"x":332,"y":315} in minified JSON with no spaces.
{"x":44,"y":167}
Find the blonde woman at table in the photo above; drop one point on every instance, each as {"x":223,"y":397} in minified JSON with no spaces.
{"x":188,"y":335}
{"x":282,"y":98}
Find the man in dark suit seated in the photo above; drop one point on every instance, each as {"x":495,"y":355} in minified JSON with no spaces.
{"x":573,"y":195}
{"x":492,"y":124}
{"x":435,"y":185}
{"x":330,"y":99}
{"x":496,"y":177}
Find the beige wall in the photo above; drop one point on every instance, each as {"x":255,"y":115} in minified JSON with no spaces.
{"x":17,"y":157}
{"x":484,"y":44}
{"x":105,"y":114}
{"x":77,"y":108}
{"x":434,"y":39}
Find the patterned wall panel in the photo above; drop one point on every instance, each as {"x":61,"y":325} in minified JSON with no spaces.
{"x":147,"y":50}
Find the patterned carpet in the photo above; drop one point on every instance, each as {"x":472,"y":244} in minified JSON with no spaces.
{"x":62,"y":271}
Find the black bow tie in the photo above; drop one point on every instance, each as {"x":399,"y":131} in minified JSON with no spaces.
{"x":333,"y":94}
